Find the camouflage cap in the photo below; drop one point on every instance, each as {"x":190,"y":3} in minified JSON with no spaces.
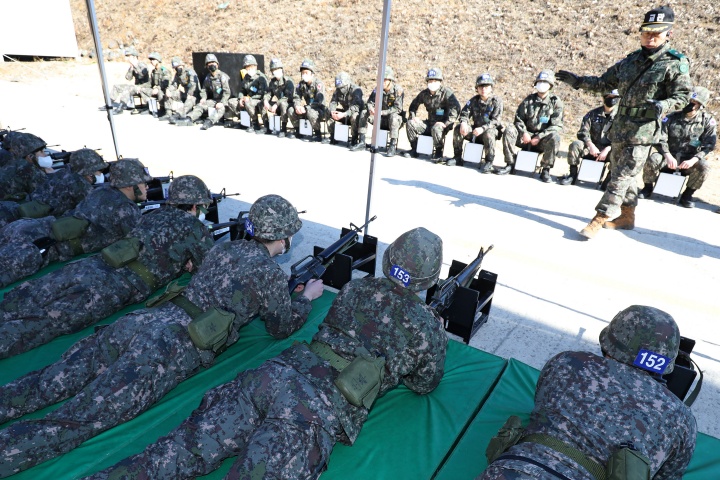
{"x":275,"y":63}
{"x":249,"y":60}
{"x":86,"y":161}
{"x":484,"y":79}
{"x":155,"y":56}
{"x":128,"y":172}
{"x":24,"y":144}
{"x":211,"y":58}
{"x":342,"y":79}
{"x":273,"y":218}
{"x":389,"y":73}
{"x":434,"y":73}
{"x":546,"y":76}
{"x":701,"y":95}
{"x":176,"y":62}
{"x":307,"y":64}
{"x":188,"y":190}
{"x":640,"y":327}
{"x":131,"y":51}
{"x":418,"y":253}
{"x":660,"y":19}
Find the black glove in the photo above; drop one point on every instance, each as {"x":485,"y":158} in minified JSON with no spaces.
{"x":569,"y":78}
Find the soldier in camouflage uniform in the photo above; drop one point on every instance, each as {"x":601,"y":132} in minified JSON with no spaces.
{"x":308,"y":101}
{"x":594,"y":405}
{"x":117,"y":373}
{"x":253,"y":86}
{"x":653,"y":82}
{"x":62,"y":191}
{"x":106,"y":215}
{"x":182,"y":93}
{"x":282,"y":419}
{"x":159,"y":81}
{"x":479,"y":122}
{"x":688,"y":137}
{"x":172,"y":240}
{"x":442,"y":110}
{"x":27,"y":169}
{"x":345,"y":107}
{"x":281,"y":88}
{"x":592,"y":142}
{"x":537,"y":127}
{"x":121,"y":95}
{"x":214,"y":94}
{"x":391,"y":113}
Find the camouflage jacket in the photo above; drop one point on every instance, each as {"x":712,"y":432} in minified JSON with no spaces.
{"x":686,"y":137}
{"x":254,"y":88}
{"x":139,"y":73}
{"x":349,"y":97}
{"x":441,"y":106}
{"x":594,"y":404}
{"x":62,"y":191}
{"x":188,"y":79}
{"x":310,"y":93}
{"x":280,"y":89}
{"x":662,"y":77}
{"x":390,"y":322}
{"x":392,"y":101}
{"x":111,"y":216}
{"x":478,"y":113}
{"x":216,"y":87}
{"x":160,"y":77}
{"x":540,"y":117}
{"x":595,"y":125}
{"x":19,"y":178}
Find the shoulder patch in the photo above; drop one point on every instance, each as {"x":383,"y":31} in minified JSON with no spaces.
{"x":712,"y":122}
{"x":684,"y":67}
{"x":676,"y":54}
{"x":468,"y":103}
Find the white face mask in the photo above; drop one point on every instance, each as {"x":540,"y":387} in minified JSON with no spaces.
{"x":99,"y":178}
{"x":45,"y":162}
{"x":201,"y":217}
{"x":278,"y":73}
{"x":251,"y":71}
{"x":433,"y":86}
{"x":542,"y":87}
{"x":307,"y":77}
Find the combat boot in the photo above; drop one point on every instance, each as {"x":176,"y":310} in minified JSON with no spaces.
{"x":184,"y":122}
{"x":594,"y":226}
{"x":437,"y":156}
{"x":646,"y":191}
{"x":392,"y":148}
{"x":318,"y":137}
{"x":456,"y":160}
{"x":359,"y":145}
{"x":283,"y":132}
{"x":626,"y":220}
{"x":166,"y":117}
{"x":686,"y":199}
{"x":571,"y":177}
{"x":545,"y":175}
{"x":258,"y":129}
{"x":503,"y":170}
{"x":206,"y":125}
{"x":413,"y":150}
{"x":174,"y":118}
{"x":487,"y":166}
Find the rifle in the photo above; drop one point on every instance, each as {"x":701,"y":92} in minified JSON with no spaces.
{"x":157,"y":187}
{"x":213,"y":215}
{"x":445,"y":293}
{"x":235,"y":227}
{"x":61,"y":155}
{"x":314,"y":266}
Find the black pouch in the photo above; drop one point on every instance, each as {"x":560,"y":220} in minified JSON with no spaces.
{"x":122,"y":252}
{"x":69,"y":228}
{"x":508,"y":435}
{"x":34,"y":209}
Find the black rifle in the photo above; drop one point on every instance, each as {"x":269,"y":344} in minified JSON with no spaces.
{"x":155,"y":187}
{"x":314,"y":266}
{"x":61,"y":155}
{"x":445,"y":293}
{"x":213,"y":215}
{"x":236,"y":228}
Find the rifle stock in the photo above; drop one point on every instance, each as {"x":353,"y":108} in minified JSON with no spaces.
{"x":445,"y":293}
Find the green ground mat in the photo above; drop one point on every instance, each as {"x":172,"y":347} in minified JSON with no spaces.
{"x":514,"y":395}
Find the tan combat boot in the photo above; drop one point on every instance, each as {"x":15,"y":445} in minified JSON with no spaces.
{"x":626,"y":220}
{"x":594,"y":226}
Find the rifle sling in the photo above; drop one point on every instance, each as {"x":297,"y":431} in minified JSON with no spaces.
{"x":144,"y":273}
{"x":324,"y":351}
{"x":594,"y":468}
{"x":190,"y":308}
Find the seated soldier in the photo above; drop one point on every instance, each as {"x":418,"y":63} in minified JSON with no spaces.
{"x":182,"y":93}
{"x":687,"y":138}
{"x":253,"y":86}
{"x":166,"y":242}
{"x":537,"y":127}
{"x":282,"y":420}
{"x":159,"y":80}
{"x":589,"y":408}
{"x":479,"y":123}
{"x":106,"y":215}
{"x":122,"y":95}
{"x":27,"y":168}
{"x":151,"y":351}
{"x":442,"y":109}
{"x":214,"y":95}
{"x":62,"y":191}
{"x":282,"y":89}
{"x":308,"y":101}
{"x":391,"y":112}
{"x":345,"y":107}
{"x":592,"y":142}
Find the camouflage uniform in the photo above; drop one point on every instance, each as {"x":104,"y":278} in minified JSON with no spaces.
{"x":215,"y":89}
{"x":539,"y":117}
{"x":391,"y":114}
{"x":160,"y":78}
{"x":124,"y":93}
{"x":83,"y":292}
{"x":312,"y":97}
{"x":123,"y":369}
{"x":441,"y":106}
{"x":594,"y":128}
{"x":348,"y":98}
{"x":254,"y":88}
{"x":20,"y":176}
{"x":283,"y":91}
{"x":188,"y":80}
{"x":478,"y":113}
{"x":685,"y":138}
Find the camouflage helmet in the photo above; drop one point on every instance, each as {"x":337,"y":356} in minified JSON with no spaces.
{"x":307,"y":64}
{"x":155,"y":56}
{"x":701,"y":95}
{"x":639,"y":327}
{"x":389,"y":73}
{"x":131,"y":51}
{"x":177,"y":62}
{"x":418,"y":254}
{"x":342,"y":79}
{"x":434,"y":73}
{"x":210,"y":57}
{"x":273,"y":218}
{"x":484,"y":79}
{"x":546,"y":76}
{"x":249,"y":60}
{"x":24,"y":144}
{"x":188,"y":190}
{"x":86,"y":162}
{"x":275,"y":63}
{"x":128,"y":172}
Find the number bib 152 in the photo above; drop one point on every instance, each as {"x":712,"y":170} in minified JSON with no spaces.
{"x":651,"y":361}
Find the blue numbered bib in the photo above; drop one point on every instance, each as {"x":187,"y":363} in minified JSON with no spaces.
{"x":651,"y":361}
{"x":440,"y":112}
{"x":400,"y":274}
{"x":249,"y":227}
{"x":695,"y":143}
{"x":544,"y":119}
{"x":253,"y":89}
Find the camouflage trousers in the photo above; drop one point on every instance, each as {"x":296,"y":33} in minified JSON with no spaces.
{"x":314,"y":114}
{"x":416,"y":127}
{"x":62,"y":302}
{"x":210,"y":108}
{"x":252,"y":106}
{"x":19,"y":257}
{"x":147,"y":93}
{"x":277,"y":419}
{"x":391,"y":122}
{"x":178,"y":102}
{"x":487,"y":138}
{"x":697,"y":174}
{"x":124,"y":94}
{"x":282,"y":111}
{"x":353,"y":121}
{"x":576,"y":152}
{"x":549,"y":146}
{"x":626,"y":162}
{"x":8,"y":212}
{"x":109,"y":377}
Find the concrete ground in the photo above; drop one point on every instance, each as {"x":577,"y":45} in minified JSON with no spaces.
{"x":555,"y":291}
